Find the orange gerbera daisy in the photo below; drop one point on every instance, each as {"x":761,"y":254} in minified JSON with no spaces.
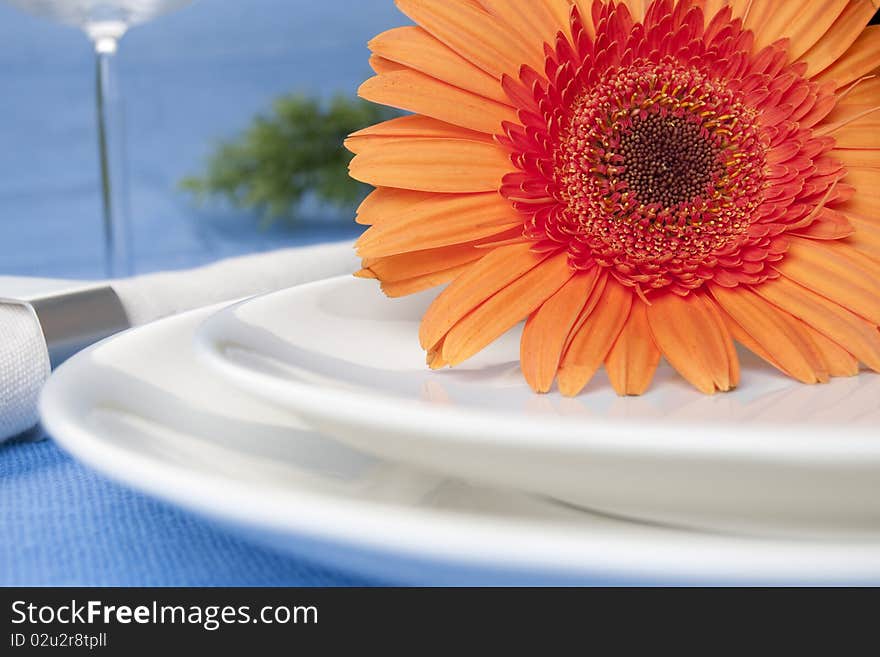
{"x":634,"y":179}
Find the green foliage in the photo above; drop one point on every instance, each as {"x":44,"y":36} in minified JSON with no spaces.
{"x":282,"y":157}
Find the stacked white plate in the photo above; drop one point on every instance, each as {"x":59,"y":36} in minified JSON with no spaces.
{"x":306,"y":420}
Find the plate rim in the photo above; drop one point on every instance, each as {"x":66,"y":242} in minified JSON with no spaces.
{"x":201,"y":492}
{"x":381,"y":411}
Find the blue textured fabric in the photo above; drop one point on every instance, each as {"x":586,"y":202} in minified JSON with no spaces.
{"x":190,"y":79}
{"x":61,"y":524}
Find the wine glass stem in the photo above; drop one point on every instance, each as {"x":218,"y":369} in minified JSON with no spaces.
{"x":111,"y":153}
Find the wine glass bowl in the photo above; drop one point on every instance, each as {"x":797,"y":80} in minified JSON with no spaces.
{"x":88,"y":14}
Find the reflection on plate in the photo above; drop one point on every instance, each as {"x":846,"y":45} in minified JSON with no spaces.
{"x":774,"y":456}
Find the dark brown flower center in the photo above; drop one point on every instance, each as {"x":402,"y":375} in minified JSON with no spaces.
{"x":667,"y":160}
{"x":656,"y":166}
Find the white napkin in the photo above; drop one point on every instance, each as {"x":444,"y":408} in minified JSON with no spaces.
{"x":24,"y":367}
{"x":24,"y":357}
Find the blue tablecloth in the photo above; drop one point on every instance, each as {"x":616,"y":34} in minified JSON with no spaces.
{"x":190,"y":79}
{"x":62,"y":524}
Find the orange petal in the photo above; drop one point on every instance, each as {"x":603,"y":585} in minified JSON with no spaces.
{"x":848,"y":113}
{"x":415,"y":48}
{"x":839,"y":37}
{"x":863,"y":204}
{"x":493,"y":272}
{"x":434,"y":358}
{"x":828,"y":225}
{"x":693,"y":340}
{"x":861,"y":223}
{"x":770,"y":335}
{"x":861,"y":58}
{"x":857,"y":157}
{"x":416,"y":92}
{"x":586,"y":12}
{"x":862,"y":260}
{"x":544,"y":336}
{"x":865,"y":179}
{"x":595,"y":295}
{"x":433,"y":165}
{"x":826,"y":270}
{"x":733,"y":369}
{"x":866,"y":238}
{"x":401,"y":288}
{"x":474,"y":34}
{"x":739,"y":8}
{"x":838,"y":361}
{"x":382,"y":65}
{"x":811,"y":24}
{"x":510,"y":236}
{"x":418,"y":263}
{"x":387,"y":202}
{"x":772,"y":20}
{"x":862,"y":92}
{"x":532,"y":21}
{"x":857,"y":135}
{"x":637,"y":8}
{"x":561,"y":10}
{"x":712,"y":7}
{"x":633,"y":359}
{"x":505,"y":309}
{"x":405,"y":127}
{"x":850,"y":331}
{"x":739,"y":334}
{"x":445,"y":220}
{"x":595,"y":337}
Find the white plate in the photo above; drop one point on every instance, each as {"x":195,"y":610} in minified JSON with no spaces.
{"x":141,"y":409}
{"x":773,"y":456}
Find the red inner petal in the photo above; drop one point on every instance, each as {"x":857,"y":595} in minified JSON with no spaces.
{"x":666,"y":151}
